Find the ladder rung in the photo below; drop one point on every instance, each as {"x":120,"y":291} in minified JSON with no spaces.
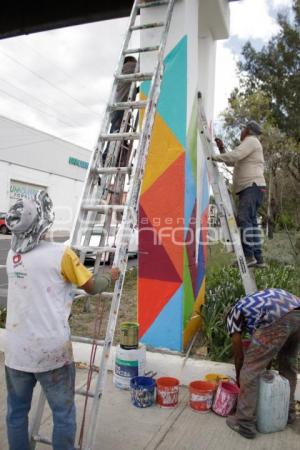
{"x":95,"y":250}
{"x":150,"y":4}
{"x":83,"y":392}
{"x":139,"y":76}
{"x":82,"y":293}
{"x":120,"y":136}
{"x":86,"y":340}
{"x":128,"y":105}
{"x":102,"y":208}
{"x":147,"y":25}
{"x":42,"y":439}
{"x":153,"y":48}
{"x":107,"y":294}
{"x":112,"y":170}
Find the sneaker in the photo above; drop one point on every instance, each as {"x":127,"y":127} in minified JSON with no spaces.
{"x":260,"y":264}
{"x":251,"y":261}
{"x":291,"y":418}
{"x":247,"y":432}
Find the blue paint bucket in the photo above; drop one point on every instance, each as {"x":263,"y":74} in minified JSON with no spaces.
{"x":142,"y":391}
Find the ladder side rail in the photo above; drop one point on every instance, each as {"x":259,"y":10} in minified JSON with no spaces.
{"x":113,"y":152}
{"x":113,"y":149}
{"x":105,"y":184}
{"x":81,"y":216}
{"x":104,"y":237}
{"x":214,"y":177}
{"x":37,"y":419}
{"x":222,"y":197}
{"x":120,"y":178}
{"x":248,"y":281}
{"x":121,"y":255}
{"x":120,"y":261}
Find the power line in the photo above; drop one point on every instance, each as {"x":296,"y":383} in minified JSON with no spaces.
{"x":67,"y":75}
{"x":48,"y":82}
{"x":34,"y":107}
{"x":40,"y":101}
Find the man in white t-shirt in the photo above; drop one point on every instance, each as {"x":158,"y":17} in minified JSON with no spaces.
{"x":38,"y":345}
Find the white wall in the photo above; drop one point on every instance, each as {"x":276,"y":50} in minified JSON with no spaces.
{"x":65,"y":192}
{"x":35,"y":158}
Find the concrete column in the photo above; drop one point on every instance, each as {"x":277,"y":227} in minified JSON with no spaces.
{"x":174,"y":196}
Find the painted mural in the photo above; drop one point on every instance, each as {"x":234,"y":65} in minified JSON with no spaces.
{"x":171,"y":279}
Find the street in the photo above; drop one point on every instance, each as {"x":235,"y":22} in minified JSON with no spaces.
{"x":4,"y":247}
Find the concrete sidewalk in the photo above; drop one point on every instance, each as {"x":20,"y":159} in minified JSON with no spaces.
{"x":121,"y":426}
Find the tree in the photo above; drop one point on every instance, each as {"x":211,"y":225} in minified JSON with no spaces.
{"x":275,"y":70}
{"x":282,"y":156}
{"x":269,"y":92}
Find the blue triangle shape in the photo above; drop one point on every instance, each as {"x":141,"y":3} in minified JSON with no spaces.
{"x":166,"y":331}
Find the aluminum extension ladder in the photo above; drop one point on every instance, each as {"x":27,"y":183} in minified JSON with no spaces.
{"x":103,"y":189}
{"x":229,"y":227}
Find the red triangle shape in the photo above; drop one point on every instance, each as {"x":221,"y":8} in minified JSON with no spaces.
{"x":153,"y":295}
{"x":163,"y":204}
{"x":154,"y":261}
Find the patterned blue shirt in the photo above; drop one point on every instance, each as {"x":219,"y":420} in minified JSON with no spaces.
{"x":260,"y":309}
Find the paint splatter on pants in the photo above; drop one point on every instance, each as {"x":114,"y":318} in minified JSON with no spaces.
{"x":58,"y":385}
{"x":281,"y":337}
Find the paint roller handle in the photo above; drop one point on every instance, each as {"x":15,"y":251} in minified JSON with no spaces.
{"x":150,"y":374}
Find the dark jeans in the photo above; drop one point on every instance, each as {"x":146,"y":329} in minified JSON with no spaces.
{"x":116,"y":121}
{"x":281,"y":337}
{"x":58,"y":385}
{"x":250,"y":200}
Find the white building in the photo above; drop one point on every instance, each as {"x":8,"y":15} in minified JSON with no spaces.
{"x":31,"y":160}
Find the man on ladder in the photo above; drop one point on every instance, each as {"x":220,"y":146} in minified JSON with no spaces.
{"x":39,"y":301}
{"x":250,"y":185}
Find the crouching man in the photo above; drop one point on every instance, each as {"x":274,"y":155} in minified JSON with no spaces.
{"x":38,"y":347}
{"x":272,"y":317}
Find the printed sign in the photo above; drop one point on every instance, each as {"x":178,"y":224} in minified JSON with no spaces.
{"x":18,"y":190}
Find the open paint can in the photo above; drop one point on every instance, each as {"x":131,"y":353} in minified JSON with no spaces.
{"x":129,"y":338}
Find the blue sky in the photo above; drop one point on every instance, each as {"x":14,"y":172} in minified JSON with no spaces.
{"x":58,"y":81}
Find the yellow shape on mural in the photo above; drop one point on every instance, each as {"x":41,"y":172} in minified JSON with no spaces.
{"x":164,"y":150}
{"x":195,"y":321}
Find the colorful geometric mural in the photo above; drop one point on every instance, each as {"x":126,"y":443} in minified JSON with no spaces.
{"x":170,"y":277}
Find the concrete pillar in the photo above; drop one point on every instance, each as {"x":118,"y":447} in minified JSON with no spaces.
{"x":174,"y":196}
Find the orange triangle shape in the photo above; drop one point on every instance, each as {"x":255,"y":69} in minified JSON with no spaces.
{"x":163,"y":204}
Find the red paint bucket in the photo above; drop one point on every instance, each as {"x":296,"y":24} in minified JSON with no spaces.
{"x":201,"y":395}
{"x":167,"y":390}
{"x":226,"y":398}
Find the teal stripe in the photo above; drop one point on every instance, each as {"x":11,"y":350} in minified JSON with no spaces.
{"x":123,"y":362}
{"x":173,"y":97}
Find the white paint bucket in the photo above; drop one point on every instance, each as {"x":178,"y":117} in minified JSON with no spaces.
{"x":128,"y":364}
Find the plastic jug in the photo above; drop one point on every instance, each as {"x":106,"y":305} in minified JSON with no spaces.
{"x":273,"y":402}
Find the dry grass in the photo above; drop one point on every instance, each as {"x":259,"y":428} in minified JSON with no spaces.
{"x":83,"y":323}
